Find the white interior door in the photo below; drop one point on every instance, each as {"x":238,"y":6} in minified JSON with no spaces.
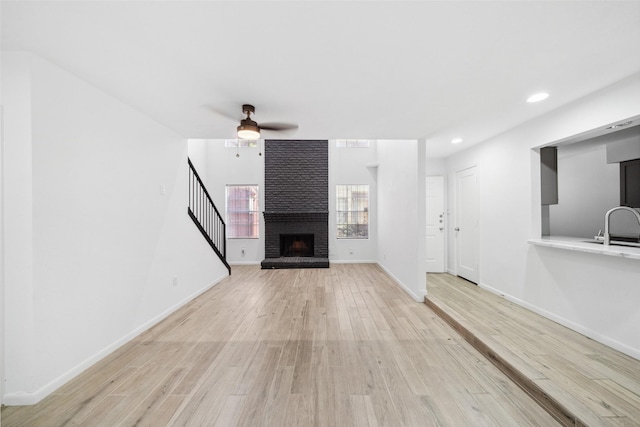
{"x":466,"y":230}
{"x":435,"y":224}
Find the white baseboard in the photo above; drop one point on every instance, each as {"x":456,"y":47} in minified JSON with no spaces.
{"x":418,"y":298}
{"x":633,"y":352}
{"x":22,"y":398}
{"x":351,"y":261}
{"x":244,"y":263}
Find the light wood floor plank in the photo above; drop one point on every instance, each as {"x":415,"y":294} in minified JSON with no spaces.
{"x":277,"y":400}
{"x":158,"y":406}
{"x":343,"y":347}
{"x":363,"y":414}
{"x":581,"y":380}
{"x":257,"y":395}
{"x":231,"y":411}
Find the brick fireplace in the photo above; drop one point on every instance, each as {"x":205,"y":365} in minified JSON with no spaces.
{"x":296,"y":212}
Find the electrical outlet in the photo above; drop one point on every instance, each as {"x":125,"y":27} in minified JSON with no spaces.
{"x":175,"y":280}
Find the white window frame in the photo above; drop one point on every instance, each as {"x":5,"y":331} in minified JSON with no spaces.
{"x":249,"y":207}
{"x":242,"y":143}
{"x":353,"y":143}
{"x":352,"y":212}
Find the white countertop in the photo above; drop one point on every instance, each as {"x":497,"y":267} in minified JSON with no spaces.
{"x":581,"y":244}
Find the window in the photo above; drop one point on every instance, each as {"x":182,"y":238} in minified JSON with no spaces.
{"x":233,"y":143}
{"x":243,"y":216}
{"x":352,"y":143}
{"x":352,"y":210}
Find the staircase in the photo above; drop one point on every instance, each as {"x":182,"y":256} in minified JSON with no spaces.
{"x":206,"y":217}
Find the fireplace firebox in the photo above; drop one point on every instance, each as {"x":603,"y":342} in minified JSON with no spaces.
{"x":296,"y":245}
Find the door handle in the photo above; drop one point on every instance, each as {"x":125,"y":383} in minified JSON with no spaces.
{"x":457,"y":228}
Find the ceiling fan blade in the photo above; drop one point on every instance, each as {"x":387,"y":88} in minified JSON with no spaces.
{"x":221,"y":112}
{"x":278,"y":126}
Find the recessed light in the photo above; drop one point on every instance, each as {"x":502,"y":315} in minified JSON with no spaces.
{"x":537,"y":97}
{"x":620,"y":125}
{"x":456,"y":140}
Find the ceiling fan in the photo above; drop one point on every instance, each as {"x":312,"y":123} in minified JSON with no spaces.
{"x":250,"y":129}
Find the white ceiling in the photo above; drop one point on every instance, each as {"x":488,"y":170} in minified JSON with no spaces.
{"x":384,"y":70}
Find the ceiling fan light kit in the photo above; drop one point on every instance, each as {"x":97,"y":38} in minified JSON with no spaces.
{"x":249,"y":129}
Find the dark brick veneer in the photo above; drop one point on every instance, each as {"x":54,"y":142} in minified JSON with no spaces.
{"x":296,"y":198}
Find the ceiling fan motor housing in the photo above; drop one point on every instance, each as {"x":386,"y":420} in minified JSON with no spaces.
{"x":248,"y":123}
{"x":248,"y":109}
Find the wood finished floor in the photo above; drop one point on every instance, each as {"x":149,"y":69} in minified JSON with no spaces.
{"x":598,"y":385}
{"x":343,"y":346}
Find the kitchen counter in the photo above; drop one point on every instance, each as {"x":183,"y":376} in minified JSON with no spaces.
{"x":581,"y":244}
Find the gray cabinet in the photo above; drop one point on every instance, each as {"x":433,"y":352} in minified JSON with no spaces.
{"x":630,"y":183}
{"x":549,"y":175}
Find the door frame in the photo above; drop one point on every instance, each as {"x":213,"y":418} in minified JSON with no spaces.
{"x":476,"y":239}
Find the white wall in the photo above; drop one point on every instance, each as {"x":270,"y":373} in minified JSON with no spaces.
{"x":587,"y":188}
{"x":622,"y":145}
{"x":436,"y":167}
{"x":353,"y":166}
{"x":18,"y":219}
{"x":197,"y":151}
{"x":224,"y":168}
{"x":2,"y":268}
{"x":401,"y":214}
{"x":590,"y":293}
{"x":96,"y":199}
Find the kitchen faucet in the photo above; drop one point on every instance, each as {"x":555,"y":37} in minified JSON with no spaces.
{"x":607,"y":220}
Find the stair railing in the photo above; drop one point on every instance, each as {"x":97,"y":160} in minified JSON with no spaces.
{"x":205,"y":215}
